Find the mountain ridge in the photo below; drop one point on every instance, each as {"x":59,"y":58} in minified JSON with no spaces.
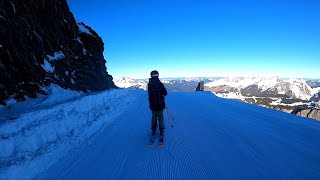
{"x":41,"y":43}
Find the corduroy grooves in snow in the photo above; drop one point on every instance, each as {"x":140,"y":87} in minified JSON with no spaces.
{"x":105,"y":136}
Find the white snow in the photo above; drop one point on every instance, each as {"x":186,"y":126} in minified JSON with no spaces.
{"x":72,"y":81}
{"x":47,"y":66}
{"x":13,"y":7}
{"x":83,"y":29}
{"x":38,"y":139}
{"x":57,"y":56}
{"x":79,"y":40}
{"x":104,"y":136}
{"x":37,"y":35}
{"x":231,"y":95}
{"x":84,"y":51}
{"x":67,"y":73}
{"x":11,"y":101}
{"x":276,"y":102}
{"x":126,"y":82}
{"x":315,"y":90}
{"x":299,"y":87}
{"x":212,"y":138}
{"x":239,"y":82}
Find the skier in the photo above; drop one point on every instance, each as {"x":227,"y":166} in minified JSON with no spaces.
{"x":156,"y":92}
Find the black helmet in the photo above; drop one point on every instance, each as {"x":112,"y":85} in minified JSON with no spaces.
{"x":154,"y":73}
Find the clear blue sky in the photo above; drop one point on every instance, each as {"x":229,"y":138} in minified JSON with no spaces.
{"x":206,"y":37}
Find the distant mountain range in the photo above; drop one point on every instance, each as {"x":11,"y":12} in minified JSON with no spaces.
{"x":181,"y":85}
{"x":313,"y":83}
{"x":272,"y":92}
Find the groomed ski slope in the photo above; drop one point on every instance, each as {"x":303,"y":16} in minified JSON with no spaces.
{"x":212,"y":138}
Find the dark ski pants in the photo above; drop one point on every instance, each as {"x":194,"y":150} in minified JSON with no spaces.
{"x":157,"y":115}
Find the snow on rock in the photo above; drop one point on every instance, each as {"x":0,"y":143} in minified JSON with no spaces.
{"x":79,"y":40}
{"x":47,"y":66}
{"x":83,"y":29}
{"x":300,"y":88}
{"x":40,"y":138}
{"x":49,"y":33}
{"x":315,"y":90}
{"x":240,"y":82}
{"x":11,"y":101}
{"x":13,"y":7}
{"x":84,"y":51}
{"x":57,"y":56}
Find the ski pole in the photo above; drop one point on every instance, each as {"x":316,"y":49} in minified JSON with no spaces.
{"x":170,"y":116}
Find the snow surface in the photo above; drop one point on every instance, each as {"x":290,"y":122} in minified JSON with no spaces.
{"x":83,"y":29}
{"x":105,"y":136}
{"x":57,"y":56}
{"x":38,"y":139}
{"x":47,"y":66}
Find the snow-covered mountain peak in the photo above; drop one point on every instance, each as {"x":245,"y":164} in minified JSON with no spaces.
{"x":295,"y":88}
{"x":130,"y":83}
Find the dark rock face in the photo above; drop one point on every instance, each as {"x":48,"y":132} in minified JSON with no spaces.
{"x":307,"y":112}
{"x":41,"y":43}
{"x":316,"y":97}
{"x":200,"y":86}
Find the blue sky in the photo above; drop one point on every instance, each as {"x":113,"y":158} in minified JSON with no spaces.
{"x":188,"y":38}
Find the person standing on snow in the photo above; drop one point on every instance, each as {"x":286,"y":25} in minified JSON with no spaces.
{"x":156,"y":92}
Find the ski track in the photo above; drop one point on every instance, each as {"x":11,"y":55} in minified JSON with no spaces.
{"x":212,"y":138}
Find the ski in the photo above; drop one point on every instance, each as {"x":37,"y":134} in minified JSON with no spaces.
{"x":161,"y":143}
{"x":151,"y":142}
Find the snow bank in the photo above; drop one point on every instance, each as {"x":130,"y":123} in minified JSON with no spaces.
{"x":56,"y":95}
{"x":38,"y":139}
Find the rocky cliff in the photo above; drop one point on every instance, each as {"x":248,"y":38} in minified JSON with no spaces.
{"x":313,"y":113}
{"x":41,"y":43}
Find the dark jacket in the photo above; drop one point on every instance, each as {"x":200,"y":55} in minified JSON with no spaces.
{"x":156,"y":92}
